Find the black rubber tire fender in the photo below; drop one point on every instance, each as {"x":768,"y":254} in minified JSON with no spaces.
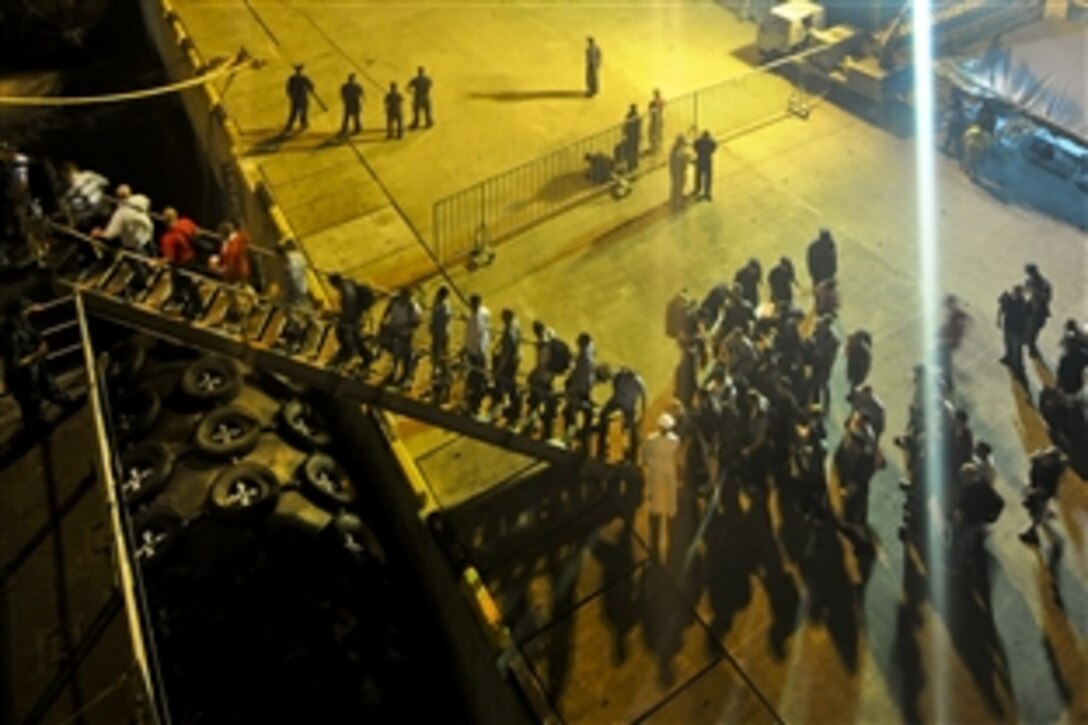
{"x":303,"y":427}
{"x":211,"y":379}
{"x":145,"y":469}
{"x":244,"y":493}
{"x":154,"y":534}
{"x":135,"y":410}
{"x":126,"y":359}
{"x":227,"y":432}
{"x":325,"y":481}
{"x":357,"y":539}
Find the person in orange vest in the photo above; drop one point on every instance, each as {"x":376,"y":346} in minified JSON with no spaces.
{"x":234,"y":266}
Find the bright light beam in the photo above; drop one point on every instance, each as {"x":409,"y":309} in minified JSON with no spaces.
{"x":929,"y":275}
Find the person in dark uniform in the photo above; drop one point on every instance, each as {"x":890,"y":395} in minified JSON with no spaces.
{"x":351,"y":93}
{"x":394,"y":113}
{"x":823,"y":260}
{"x":299,"y":88}
{"x":420,"y":87}
{"x":1012,"y":319}
{"x":748,"y":277}
{"x":593,"y":67}
{"x":632,"y":137}
{"x":781,"y":279}
{"x":1039,"y":293}
{"x":704,"y":146}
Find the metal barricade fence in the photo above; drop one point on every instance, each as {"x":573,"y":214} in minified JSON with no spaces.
{"x":496,"y":208}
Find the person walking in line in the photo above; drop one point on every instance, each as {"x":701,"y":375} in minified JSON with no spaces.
{"x":632,"y":137}
{"x":679,"y":161}
{"x":655,"y":114}
{"x":629,"y":398}
{"x":439,"y":328}
{"x":394,"y":112}
{"x":420,"y":88}
{"x":593,"y":67}
{"x":131,"y":226}
{"x":579,"y":390}
{"x":659,"y":460}
{"x":505,"y":361}
{"x":402,"y":317}
{"x":355,"y":301}
{"x":177,"y":248}
{"x":476,"y":345}
{"x":299,"y":88}
{"x":705,"y":146}
{"x":351,"y":93}
{"x":295,"y":295}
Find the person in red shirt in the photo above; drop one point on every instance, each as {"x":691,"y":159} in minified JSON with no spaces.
{"x":178,"y":250}
{"x":233,"y":265}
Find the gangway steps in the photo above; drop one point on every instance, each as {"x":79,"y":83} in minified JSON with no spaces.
{"x":252,"y":338}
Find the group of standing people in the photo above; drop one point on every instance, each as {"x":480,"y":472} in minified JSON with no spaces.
{"x":681,"y":158}
{"x":752,"y":391}
{"x":352,"y":96}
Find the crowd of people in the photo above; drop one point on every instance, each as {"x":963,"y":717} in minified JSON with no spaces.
{"x":752,"y":401}
{"x":752,"y":385}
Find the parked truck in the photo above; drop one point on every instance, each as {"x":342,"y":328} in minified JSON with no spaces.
{"x":874,"y":67}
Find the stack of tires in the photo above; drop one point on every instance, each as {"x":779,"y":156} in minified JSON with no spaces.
{"x":155,"y":404}
{"x":246,"y":529}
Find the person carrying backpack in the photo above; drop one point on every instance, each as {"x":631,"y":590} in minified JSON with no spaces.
{"x":579,"y":387}
{"x":628,"y":397}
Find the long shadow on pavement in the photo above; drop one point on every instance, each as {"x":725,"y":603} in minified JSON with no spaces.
{"x":537,"y":95}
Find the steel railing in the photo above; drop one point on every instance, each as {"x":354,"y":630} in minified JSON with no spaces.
{"x":498,"y":207}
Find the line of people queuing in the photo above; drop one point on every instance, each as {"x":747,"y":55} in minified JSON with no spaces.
{"x":491,"y":371}
{"x":556,"y":390}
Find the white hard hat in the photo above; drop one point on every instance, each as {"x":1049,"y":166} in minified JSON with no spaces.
{"x":666,"y":422}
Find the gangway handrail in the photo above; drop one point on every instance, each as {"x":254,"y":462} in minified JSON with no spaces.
{"x":129,"y":581}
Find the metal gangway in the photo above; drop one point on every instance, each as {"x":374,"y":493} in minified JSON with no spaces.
{"x":100,"y":275}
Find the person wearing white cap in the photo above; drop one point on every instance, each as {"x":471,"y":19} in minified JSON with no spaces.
{"x":659,"y":458}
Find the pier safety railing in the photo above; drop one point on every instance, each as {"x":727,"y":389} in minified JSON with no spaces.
{"x":498,"y":207}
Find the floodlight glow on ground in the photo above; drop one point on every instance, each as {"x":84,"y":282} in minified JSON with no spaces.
{"x":929,"y":277}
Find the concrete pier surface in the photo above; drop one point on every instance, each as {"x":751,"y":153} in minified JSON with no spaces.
{"x":743,"y":616}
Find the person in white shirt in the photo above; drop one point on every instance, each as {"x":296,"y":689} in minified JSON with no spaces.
{"x":659,"y":458}
{"x":131,"y":225}
{"x":477,"y":343}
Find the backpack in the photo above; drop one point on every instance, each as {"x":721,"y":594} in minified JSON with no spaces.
{"x":559,"y":357}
